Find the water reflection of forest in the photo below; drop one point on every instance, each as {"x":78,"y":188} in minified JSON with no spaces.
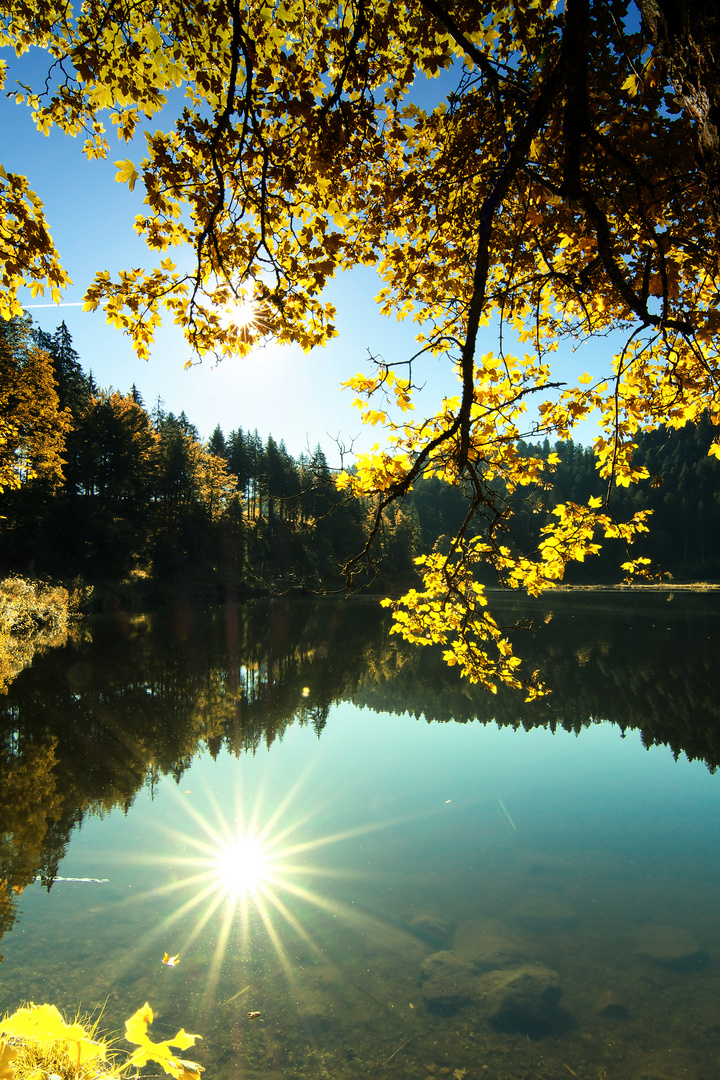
{"x":89,"y":725}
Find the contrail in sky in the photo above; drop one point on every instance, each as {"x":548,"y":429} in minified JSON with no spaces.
{"x":74,"y":303}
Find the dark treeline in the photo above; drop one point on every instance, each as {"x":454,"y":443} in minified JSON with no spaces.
{"x":131,"y":493}
{"x":682,"y":490}
{"x":116,"y":491}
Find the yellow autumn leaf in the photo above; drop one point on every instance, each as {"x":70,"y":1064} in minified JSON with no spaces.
{"x":7,"y":1056}
{"x":127,"y":173}
{"x":633,"y":85}
{"x":136,"y":1027}
{"x":42,"y":1023}
{"x":136,"y":1032}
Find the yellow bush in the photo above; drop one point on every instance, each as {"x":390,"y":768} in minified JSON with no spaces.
{"x":33,"y":616}
{"x":39,"y":1043}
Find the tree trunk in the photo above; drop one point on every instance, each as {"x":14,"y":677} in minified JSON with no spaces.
{"x":686,"y":36}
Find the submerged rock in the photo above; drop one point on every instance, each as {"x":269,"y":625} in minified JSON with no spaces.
{"x":489,"y":945}
{"x":611,"y":1006}
{"x":523,"y":999}
{"x":433,"y":928}
{"x":670,"y":947}
{"x":448,"y":983}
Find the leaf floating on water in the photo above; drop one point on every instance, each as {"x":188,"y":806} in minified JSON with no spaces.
{"x":254,"y":1016}
{"x":171,"y":961}
{"x":459,"y":1073}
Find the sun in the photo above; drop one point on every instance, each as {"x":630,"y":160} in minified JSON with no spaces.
{"x":243,"y":865}
{"x":244,"y":315}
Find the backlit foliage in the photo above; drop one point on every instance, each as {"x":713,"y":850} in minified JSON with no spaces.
{"x":41,"y":1042}
{"x":33,"y":616}
{"x":32,"y":426}
{"x":549,"y":182}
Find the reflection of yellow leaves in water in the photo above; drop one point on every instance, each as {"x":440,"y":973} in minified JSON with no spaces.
{"x":33,"y":617}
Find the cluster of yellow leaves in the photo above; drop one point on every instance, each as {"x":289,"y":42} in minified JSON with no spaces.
{"x":42,"y":1026}
{"x":33,"y":616}
{"x":451,"y":610}
{"x":32,"y":426}
{"x":28,"y":258}
{"x":452,"y":607}
{"x":554,"y":189}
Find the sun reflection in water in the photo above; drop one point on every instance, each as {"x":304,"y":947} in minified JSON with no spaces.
{"x":243,"y":865}
{"x":238,"y":882}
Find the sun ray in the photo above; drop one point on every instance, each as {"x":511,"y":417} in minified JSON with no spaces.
{"x":243,"y":313}
{"x":249,"y":875}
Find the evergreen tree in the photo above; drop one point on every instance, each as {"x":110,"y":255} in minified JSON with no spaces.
{"x":71,"y":383}
{"x":239,"y":460}
{"x":217,"y":445}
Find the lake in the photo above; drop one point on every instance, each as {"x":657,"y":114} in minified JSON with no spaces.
{"x":403,"y":875}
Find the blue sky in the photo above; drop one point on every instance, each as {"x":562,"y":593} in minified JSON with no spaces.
{"x":278,"y":390}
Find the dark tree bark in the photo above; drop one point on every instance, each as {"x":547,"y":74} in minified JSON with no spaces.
{"x":686,"y":35}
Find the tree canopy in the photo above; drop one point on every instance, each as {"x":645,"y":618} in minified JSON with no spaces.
{"x":545,"y":168}
{"x":32,"y":425}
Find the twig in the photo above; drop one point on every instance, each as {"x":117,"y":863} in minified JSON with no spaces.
{"x":402,"y":1047}
{"x":236,"y":995}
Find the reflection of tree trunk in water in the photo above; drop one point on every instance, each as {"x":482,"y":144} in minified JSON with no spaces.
{"x":701,"y":525}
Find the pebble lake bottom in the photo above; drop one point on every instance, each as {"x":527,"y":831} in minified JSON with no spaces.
{"x":399,"y":899}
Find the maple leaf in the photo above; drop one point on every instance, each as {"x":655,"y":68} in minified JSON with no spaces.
{"x":136,"y":1032}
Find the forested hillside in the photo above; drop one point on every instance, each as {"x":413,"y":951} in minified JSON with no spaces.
{"x":101,"y":486}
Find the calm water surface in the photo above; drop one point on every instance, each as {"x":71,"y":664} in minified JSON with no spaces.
{"x":284,"y":799}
